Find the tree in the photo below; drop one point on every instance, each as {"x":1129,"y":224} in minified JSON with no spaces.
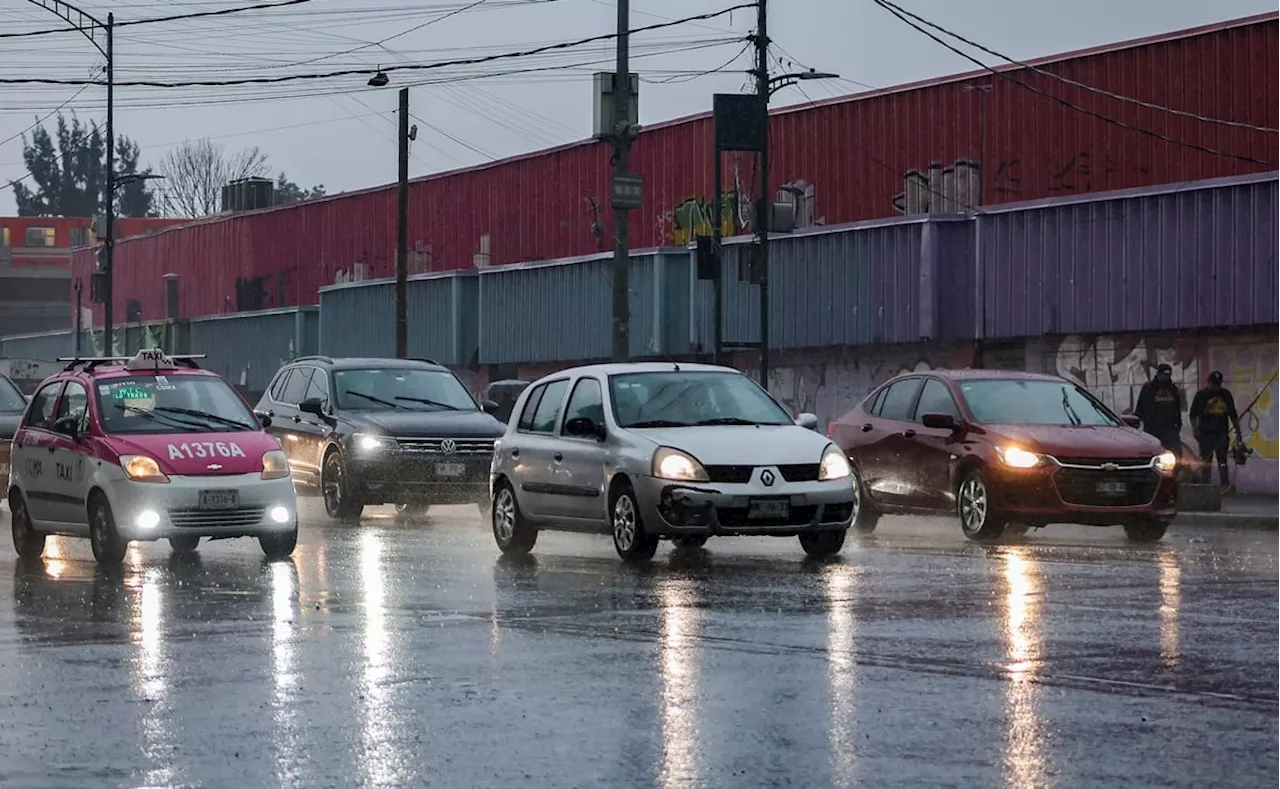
{"x":289,"y":192}
{"x":69,"y":178}
{"x":195,"y":173}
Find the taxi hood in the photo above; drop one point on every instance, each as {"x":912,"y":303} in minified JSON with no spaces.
{"x":199,"y":454}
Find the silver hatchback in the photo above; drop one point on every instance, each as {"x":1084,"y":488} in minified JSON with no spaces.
{"x":663,"y":450}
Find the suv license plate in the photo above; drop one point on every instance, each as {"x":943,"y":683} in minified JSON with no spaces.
{"x":450,"y":469}
{"x":219,"y":499}
{"x":769,"y":509}
{"x":1111,"y":488}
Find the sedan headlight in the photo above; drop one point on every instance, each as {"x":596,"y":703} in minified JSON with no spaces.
{"x":366,"y":442}
{"x":834,"y":465}
{"x":680,"y":466}
{"x":141,"y":468}
{"x":275,"y":465}
{"x":1013,"y":457}
{"x":1167,"y":461}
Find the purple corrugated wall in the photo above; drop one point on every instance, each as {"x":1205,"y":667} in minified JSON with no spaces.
{"x":1185,"y":256}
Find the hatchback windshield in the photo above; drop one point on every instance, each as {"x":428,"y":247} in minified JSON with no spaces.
{"x":11,"y":400}
{"x":1011,"y":402}
{"x":681,"y":399}
{"x":374,"y":389}
{"x":172,"y":404}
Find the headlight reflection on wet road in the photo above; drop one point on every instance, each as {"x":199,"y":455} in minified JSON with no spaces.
{"x":382,"y":757}
{"x":1170,"y":602}
{"x":1024,"y":757}
{"x":680,"y":622}
{"x":149,"y":670}
{"x":284,"y":590}
{"x":840,"y":583}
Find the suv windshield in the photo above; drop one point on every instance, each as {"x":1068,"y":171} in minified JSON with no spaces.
{"x":676,"y":398}
{"x":372,"y":389}
{"x":11,"y":399}
{"x":1011,"y":402}
{"x":171,"y":404}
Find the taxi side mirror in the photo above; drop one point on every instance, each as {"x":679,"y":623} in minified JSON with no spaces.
{"x":264,"y":418}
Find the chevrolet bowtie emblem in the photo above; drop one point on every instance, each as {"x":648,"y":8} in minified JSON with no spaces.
{"x":214,"y":467}
{"x":1109,"y":467}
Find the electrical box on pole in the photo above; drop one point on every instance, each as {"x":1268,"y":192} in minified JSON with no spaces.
{"x":603,"y":117}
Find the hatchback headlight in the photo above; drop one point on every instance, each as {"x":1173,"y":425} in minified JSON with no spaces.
{"x":1013,"y":457}
{"x":673,"y":464}
{"x":834,"y":465}
{"x":1167,"y":461}
{"x":141,"y":468}
{"x":275,"y":465}
{"x":368,"y":443}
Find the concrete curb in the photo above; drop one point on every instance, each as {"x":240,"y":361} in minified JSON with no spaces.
{"x":1227,"y":520}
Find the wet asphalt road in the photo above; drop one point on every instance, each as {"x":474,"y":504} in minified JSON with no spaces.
{"x":409,"y":655}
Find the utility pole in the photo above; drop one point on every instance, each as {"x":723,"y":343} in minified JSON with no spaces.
{"x":109,"y":242}
{"x":402,"y":234}
{"x":764,"y":208}
{"x":621,"y":213}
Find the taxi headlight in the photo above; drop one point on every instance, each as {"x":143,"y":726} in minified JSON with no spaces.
{"x":370,"y":443}
{"x":141,"y":468}
{"x":834,"y":465}
{"x":275,"y":465}
{"x":680,"y":466}
{"x":1167,"y":461}
{"x":279,"y":514}
{"x":1013,"y":457}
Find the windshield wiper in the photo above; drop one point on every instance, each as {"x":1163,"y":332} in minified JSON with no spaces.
{"x":204,"y":415}
{"x":151,"y":415}
{"x":658,"y":423}
{"x":425,"y":401}
{"x":729,"y":420}
{"x":373,"y":399}
{"x":1066,"y":406}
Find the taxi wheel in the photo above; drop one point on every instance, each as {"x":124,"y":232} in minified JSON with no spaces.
{"x":184,"y":543}
{"x":108,"y":547}
{"x":690,"y":541}
{"x":339,"y":501}
{"x":28,"y":542}
{"x":278,"y":546}
{"x":979,"y":519}
{"x":513,"y":533}
{"x":865,"y":517}
{"x":1146,"y":530}
{"x":630,"y":539}
{"x":823,"y":544}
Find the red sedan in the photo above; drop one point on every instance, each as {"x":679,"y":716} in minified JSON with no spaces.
{"x":1004,"y":451}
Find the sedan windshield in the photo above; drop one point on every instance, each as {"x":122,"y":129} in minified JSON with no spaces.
{"x":172,"y":404}
{"x":1014,"y":402}
{"x":674,"y":398}
{"x":11,"y":400}
{"x":374,"y":389}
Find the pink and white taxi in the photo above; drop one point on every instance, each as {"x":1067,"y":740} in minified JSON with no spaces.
{"x":143,"y":448}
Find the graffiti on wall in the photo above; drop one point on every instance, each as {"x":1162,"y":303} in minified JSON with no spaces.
{"x":940,"y":190}
{"x":692,"y":217}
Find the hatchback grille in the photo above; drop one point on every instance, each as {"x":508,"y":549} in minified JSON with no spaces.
{"x":435,"y":446}
{"x":215,"y":518}
{"x":1080,"y":487}
{"x":795,"y":472}
{"x":1099,"y":462}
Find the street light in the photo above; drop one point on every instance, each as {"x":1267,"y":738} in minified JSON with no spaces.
{"x":787,"y":80}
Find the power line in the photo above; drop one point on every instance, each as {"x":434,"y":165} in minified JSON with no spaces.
{"x":371,"y":71}
{"x":1070,"y":105}
{"x":1069,"y":81}
{"x":41,"y":120}
{"x":155,"y":19}
{"x":723,"y":66}
{"x":380,"y":42}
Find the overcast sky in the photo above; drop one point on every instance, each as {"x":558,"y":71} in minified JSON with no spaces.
{"x":341,"y":133}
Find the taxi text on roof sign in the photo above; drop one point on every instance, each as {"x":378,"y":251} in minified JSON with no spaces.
{"x":150,"y":359}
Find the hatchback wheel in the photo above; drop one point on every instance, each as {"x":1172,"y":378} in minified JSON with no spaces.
{"x":630,"y":539}
{"x":28,"y":542}
{"x":690,"y":541}
{"x":823,"y":544}
{"x":279,"y":545}
{"x":1146,"y":531}
{"x":184,"y":543}
{"x":108,"y":546}
{"x":865,"y":517}
{"x":339,"y":500}
{"x":513,"y":533}
{"x":978,"y":515}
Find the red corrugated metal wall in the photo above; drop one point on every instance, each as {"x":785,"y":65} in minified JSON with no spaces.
{"x":847,"y":160}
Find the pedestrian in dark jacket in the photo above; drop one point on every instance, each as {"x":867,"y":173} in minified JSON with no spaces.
{"x":1213,"y":414}
{"x":1160,"y":409}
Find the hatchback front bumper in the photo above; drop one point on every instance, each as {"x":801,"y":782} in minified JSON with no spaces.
{"x":151,"y":511}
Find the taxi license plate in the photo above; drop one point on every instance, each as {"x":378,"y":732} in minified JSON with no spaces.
{"x":219,"y":499}
{"x":768,"y":509}
{"x":1111,"y":488}
{"x":450,"y":469}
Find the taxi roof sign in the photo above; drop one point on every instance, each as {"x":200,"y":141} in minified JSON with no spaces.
{"x":145,"y":359}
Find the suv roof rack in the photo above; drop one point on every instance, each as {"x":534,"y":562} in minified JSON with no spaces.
{"x":92,"y":362}
{"x":312,"y":358}
{"x":424,"y":359}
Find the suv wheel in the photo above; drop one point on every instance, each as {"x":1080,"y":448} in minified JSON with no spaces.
{"x":28,"y":542}
{"x":979,"y":517}
{"x":1146,"y":530}
{"x":412,"y":511}
{"x":108,"y":546}
{"x":339,"y":500}
{"x":690,"y":541}
{"x":630,"y":539}
{"x":513,"y":533}
{"x":865,"y":516}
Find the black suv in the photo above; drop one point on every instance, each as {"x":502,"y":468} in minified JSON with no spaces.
{"x":12,"y":404}
{"x":381,"y":431}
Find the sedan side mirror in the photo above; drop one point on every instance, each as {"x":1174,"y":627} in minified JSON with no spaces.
{"x":1132,"y":421}
{"x":490,"y":407}
{"x":584,"y":427}
{"x":264,"y":418}
{"x":312,"y":405}
{"x":808,"y":421}
{"x":941,"y":422}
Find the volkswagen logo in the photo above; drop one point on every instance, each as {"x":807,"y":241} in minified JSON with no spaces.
{"x":448,"y":446}
{"x":767,"y":478}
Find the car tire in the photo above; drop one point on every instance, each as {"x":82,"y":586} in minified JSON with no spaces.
{"x":184,"y":543}
{"x":979,"y":519}
{"x":1146,"y":530}
{"x":823,"y":544}
{"x":512,"y":532}
{"x":340,"y":502}
{"x":690,"y":540}
{"x":865,"y":516}
{"x":631,"y":540}
{"x":412,"y":511}
{"x":108,"y":546}
{"x":278,"y":546}
{"x":28,"y":542}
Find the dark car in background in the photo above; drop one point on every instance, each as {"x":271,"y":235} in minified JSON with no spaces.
{"x":1004,"y":451}
{"x":381,"y":431}
{"x":12,"y":403}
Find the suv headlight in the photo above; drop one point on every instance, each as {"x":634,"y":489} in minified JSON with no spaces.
{"x":275,"y":465}
{"x":680,"y":466}
{"x":1013,"y":457}
{"x":1167,"y":461}
{"x":834,"y":464}
{"x":369,"y":443}
{"x":141,"y":468}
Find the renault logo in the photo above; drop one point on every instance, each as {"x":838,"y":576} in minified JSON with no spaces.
{"x":448,"y":446}
{"x":767,"y":478}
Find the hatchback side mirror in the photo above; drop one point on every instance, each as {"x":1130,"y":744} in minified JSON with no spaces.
{"x":1132,"y":421}
{"x":807,"y":420}
{"x":312,"y":405}
{"x":583,"y":427}
{"x":941,"y":422}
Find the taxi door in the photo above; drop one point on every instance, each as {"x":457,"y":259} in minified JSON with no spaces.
{"x":70,"y":463}
{"x":33,"y":450}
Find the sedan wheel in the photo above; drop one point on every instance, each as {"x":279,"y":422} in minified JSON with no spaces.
{"x":865,"y":517}
{"x":28,"y":542}
{"x":630,"y":539}
{"x":978,"y":517}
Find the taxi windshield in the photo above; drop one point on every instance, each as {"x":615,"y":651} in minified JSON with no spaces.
{"x":674,"y":398}
{"x":11,"y":400}
{"x":1035,"y":402}
{"x":379,"y":389}
{"x":171,"y":404}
